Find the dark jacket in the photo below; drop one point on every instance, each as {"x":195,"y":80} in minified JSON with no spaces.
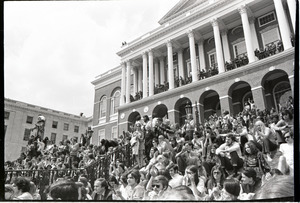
{"x":107,"y":195}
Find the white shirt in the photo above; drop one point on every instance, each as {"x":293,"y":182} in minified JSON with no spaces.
{"x":287,"y":150}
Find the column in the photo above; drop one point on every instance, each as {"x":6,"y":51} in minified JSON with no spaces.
{"x":170,"y":65}
{"x":201,"y":54}
{"x":283,"y":25}
{"x":151,"y":73}
{"x":253,"y":33}
{"x":292,"y":8}
{"x":259,"y":98}
{"x":226,"y":104}
{"x":162,"y":70}
{"x":247,"y":33}
{"x":225,"y":45}
{"x":193,"y":56}
{"x":145,"y":78}
{"x":218,"y":45}
{"x":140,"y":80}
{"x":156,"y":72}
{"x":135,"y":80}
{"x":128,"y":63}
{"x":123,"y":83}
{"x":180,"y":63}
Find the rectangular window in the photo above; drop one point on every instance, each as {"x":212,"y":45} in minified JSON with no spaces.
{"x":53,"y":138}
{"x":26,"y":134}
{"x":103,"y":107}
{"x":76,"y":129}
{"x":6,"y":115}
{"x":114,"y":132}
{"x":266,"y":19}
{"x":65,"y":137}
{"x":66,"y":126}
{"x":29,"y":119}
{"x":212,"y":60}
{"x":239,"y":49}
{"x":101,"y":135}
{"x":270,"y":36}
{"x":54,"y":124}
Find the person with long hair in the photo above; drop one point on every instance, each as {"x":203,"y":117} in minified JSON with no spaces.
{"x":230,"y":191}
{"x":215,"y":182}
{"x":253,"y":158}
{"x":191,"y":179}
{"x":135,"y":191}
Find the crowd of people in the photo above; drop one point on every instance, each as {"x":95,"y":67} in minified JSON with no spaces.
{"x":248,"y":156}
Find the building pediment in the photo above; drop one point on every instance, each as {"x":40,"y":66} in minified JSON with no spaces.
{"x":181,"y":7}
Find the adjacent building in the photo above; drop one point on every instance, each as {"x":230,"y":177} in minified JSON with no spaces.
{"x":214,"y":54}
{"x":20,"y":118}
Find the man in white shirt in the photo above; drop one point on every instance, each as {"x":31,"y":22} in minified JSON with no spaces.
{"x":286,"y":160}
{"x":230,"y":154}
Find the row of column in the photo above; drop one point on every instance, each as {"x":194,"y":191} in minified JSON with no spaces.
{"x":141,"y":79}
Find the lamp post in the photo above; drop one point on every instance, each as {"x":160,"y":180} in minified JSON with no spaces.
{"x":188,"y":108}
{"x":189,"y":124}
{"x":89,"y":133}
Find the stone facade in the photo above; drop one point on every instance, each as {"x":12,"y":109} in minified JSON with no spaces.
{"x":203,"y":35}
{"x":20,"y":117}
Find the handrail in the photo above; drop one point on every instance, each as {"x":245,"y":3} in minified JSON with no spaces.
{"x":100,"y":168}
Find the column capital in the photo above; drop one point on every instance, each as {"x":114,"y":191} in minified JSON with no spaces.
{"x":128,"y":62}
{"x":169,"y":43}
{"x":123,"y":63}
{"x":144,"y":53}
{"x":150,"y":52}
{"x":214,"y":22}
{"x":190,"y":33}
{"x":224,"y":31}
{"x":199,"y":41}
{"x":251,"y":19}
{"x":243,"y":9}
{"x":161,"y":58}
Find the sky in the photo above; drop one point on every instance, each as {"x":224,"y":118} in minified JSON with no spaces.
{"x":53,"y":50}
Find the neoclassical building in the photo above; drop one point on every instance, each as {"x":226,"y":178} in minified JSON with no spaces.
{"x":215,"y":54}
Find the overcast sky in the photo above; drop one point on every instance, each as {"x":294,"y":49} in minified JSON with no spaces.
{"x":54,"y":49}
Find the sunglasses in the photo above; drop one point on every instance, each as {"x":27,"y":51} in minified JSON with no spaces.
{"x":154,"y":185}
{"x":216,"y":172}
{"x":287,"y":137}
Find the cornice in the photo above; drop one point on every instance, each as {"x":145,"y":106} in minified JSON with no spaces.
{"x":173,"y":26}
{"x":109,"y":81}
{"x":48,"y":112}
{"x":109,"y":74}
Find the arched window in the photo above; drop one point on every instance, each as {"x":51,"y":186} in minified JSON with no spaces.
{"x":115,"y":102}
{"x":102,"y":111}
{"x":281,"y":92}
